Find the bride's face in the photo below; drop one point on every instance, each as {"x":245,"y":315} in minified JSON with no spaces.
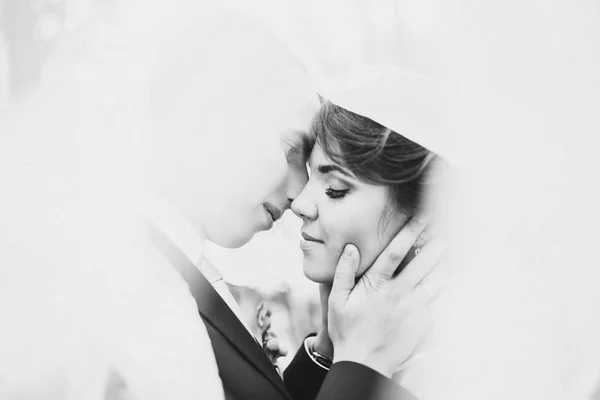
{"x":338,"y":209}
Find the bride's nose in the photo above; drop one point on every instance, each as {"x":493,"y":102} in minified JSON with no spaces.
{"x":304,"y":206}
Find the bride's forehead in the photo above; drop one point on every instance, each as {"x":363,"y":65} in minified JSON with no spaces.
{"x":318,"y":156}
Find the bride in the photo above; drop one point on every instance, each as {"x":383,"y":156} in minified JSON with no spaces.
{"x":366,"y":182}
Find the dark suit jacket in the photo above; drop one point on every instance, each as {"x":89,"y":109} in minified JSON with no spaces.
{"x":245,"y":370}
{"x":247,"y":373}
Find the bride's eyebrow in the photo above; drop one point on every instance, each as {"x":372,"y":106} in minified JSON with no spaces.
{"x":327,"y":168}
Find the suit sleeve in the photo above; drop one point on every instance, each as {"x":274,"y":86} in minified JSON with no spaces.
{"x":303,"y":377}
{"x":306,"y":380}
{"x":351,"y":381}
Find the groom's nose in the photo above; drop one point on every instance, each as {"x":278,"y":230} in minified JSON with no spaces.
{"x":297,"y":180}
{"x":292,"y":195}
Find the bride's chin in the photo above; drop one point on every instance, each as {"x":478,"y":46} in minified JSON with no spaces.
{"x":316,"y":272}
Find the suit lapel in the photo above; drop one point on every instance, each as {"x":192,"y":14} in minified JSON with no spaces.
{"x":214,"y":309}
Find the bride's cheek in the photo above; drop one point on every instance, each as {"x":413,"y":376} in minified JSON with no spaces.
{"x":333,"y":259}
{"x":339,"y":228}
{"x":361,"y":234}
{"x":320,"y":264}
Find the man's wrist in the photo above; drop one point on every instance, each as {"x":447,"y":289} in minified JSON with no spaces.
{"x":323,"y":345}
{"x":321,"y":360}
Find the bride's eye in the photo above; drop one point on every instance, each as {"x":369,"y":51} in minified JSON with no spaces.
{"x":335,"y":194}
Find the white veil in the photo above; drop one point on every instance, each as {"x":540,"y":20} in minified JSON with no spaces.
{"x":507,"y":93}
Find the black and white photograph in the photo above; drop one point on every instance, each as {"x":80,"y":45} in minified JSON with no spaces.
{"x":299,"y":200}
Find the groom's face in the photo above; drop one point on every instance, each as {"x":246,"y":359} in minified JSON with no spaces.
{"x":242,"y":104}
{"x":263,"y":168}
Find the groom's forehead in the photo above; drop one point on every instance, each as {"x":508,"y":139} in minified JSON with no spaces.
{"x":297,"y":143}
{"x":228,"y":61}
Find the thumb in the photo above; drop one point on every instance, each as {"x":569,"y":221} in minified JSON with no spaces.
{"x":345,"y":275}
{"x":324,"y":292}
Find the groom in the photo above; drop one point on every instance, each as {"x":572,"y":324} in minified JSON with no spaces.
{"x":248,"y":99}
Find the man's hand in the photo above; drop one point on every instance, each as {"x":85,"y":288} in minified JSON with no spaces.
{"x":379,"y":320}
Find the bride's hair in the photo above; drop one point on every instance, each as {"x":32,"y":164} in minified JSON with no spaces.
{"x":374,"y":153}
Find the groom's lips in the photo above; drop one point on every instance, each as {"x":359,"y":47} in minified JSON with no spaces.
{"x":275,"y":212}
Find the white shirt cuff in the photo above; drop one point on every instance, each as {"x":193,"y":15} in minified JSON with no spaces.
{"x":307,"y":348}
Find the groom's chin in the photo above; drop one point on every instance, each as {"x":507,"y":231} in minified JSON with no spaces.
{"x":231,"y":240}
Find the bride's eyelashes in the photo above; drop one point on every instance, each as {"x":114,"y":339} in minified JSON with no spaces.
{"x":336,"y":194}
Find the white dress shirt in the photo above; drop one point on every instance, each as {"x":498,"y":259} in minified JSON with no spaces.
{"x":190,"y":242}
{"x":157,"y":344}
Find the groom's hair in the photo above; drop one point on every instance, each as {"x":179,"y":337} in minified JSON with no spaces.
{"x":374,"y":153}
{"x":213,"y":71}
{"x":218,"y":61}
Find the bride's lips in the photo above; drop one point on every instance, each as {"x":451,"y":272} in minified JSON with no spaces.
{"x":308,"y":243}
{"x":309,"y":238}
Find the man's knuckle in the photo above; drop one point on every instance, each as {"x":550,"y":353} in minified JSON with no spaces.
{"x":395,"y":256}
{"x":373,"y":281}
{"x":380,"y":282}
